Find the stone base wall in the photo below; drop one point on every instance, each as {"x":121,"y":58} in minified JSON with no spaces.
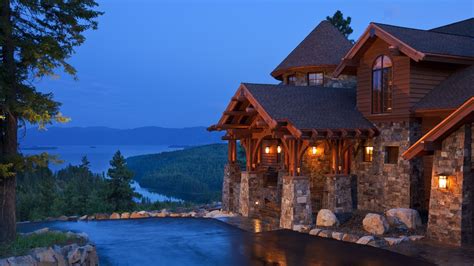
{"x":296,"y":202}
{"x":451,"y":210}
{"x":250,"y":195}
{"x":381,"y":185}
{"x":231,"y":187}
{"x":338,"y":194}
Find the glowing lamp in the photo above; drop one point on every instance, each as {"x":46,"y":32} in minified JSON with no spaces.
{"x":267,"y":149}
{"x":256,"y":203}
{"x":279,"y":149}
{"x":443,"y":181}
{"x":314,"y":150}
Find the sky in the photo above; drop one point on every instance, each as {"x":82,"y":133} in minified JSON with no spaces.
{"x":177,"y":63}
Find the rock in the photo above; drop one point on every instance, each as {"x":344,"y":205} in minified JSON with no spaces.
{"x":73,"y":218}
{"x":102,"y":216}
{"x":315,"y":231}
{"x":350,"y":238}
{"x":41,"y":231}
{"x":174,"y":214}
{"x":83,"y":218}
{"x":83,"y":236}
{"x":326,"y":218}
{"x":90,"y":218}
{"x":139,"y":215}
{"x":114,"y":216}
{"x":22,"y":261}
{"x":125,"y":215}
{"x":325,"y":233}
{"x":408,"y":217}
{"x":391,"y":241}
{"x":337,"y":235}
{"x":162,"y":214}
{"x":365,"y":240}
{"x":74,"y":256}
{"x":416,"y":237}
{"x":154,"y":214}
{"x":62,"y":218}
{"x":218,"y":214}
{"x":300,"y":228}
{"x":379,"y":243}
{"x":192,"y":214}
{"x":375,"y":224}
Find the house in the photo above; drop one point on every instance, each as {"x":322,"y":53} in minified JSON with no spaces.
{"x":383,"y":123}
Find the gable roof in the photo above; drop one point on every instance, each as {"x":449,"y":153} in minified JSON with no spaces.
{"x":434,"y":45}
{"x":324,"y":46}
{"x":463,"y":114}
{"x":432,"y":42}
{"x":310,"y":107}
{"x":464,"y":27}
{"x":451,"y":93}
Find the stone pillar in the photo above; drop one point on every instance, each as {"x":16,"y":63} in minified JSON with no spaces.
{"x":230,"y":187}
{"x":296,"y":202}
{"x":338,"y":194}
{"x":451,"y":209}
{"x":249,"y":193}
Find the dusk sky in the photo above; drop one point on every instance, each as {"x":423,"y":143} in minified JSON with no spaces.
{"x":177,"y":63}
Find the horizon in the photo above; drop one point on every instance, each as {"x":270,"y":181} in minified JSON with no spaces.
{"x":137,"y":71}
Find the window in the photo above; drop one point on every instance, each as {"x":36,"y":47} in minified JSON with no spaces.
{"x":391,"y":154}
{"x":382,"y":85}
{"x":368,"y":154}
{"x":315,"y":79}
{"x":291,"y":80}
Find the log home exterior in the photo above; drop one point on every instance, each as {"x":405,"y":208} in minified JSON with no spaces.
{"x":346,"y":128}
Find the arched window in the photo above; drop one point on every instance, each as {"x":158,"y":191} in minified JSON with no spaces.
{"x":382,"y":85}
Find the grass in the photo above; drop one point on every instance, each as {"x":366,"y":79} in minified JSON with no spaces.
{"x":23,"y":244}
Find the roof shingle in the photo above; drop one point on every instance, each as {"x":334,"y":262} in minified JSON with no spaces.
{"x":465,"y":27}
{"x":310,"y":107}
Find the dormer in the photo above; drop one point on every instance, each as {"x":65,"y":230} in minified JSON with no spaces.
{"x":314,"y":60}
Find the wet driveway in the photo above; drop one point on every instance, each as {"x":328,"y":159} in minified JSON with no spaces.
{"x":191,"y":241}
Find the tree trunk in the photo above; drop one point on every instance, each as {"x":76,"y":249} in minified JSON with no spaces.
{"x":9,"y":140}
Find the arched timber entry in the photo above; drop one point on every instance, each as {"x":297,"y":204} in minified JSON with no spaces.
{"x":274,"y":185}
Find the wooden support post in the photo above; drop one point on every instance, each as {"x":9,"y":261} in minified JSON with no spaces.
{"x":232,"y":151}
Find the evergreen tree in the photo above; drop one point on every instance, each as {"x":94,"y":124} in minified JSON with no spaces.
{"x":121,"y":193}
{"x":343,"y":25}
{"x":36,"y":38}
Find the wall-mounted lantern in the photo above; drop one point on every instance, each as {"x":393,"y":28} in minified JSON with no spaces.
{"x":443,"y":181}
{"x":279,"y":149}
{"x":267,"y":150}
{"x":256,"y":202}
{"x":314,"y":150}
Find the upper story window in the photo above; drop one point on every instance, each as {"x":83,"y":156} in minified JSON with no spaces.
{"x":382,"y":85}
{"x":315,"y":79}
{"x":291,"y":80}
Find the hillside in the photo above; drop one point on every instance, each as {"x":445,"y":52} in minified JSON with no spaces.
{"x":111,"y":136}
{"x":193,"y":174}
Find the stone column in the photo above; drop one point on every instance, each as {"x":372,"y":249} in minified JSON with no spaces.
{"x":249,"y":193}
{"x":451,"y":209}
{"x":230,"y":183}
{"x":296,"y":202}
{"x":338,"y":194}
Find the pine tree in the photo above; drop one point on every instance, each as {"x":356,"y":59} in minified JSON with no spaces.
{"x":343,"y":25}
{"x":36,"y":38}
{"x":121,"y":192}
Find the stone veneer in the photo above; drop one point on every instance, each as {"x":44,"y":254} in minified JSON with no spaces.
{"x":343,"y":81}
{"x":338,"y":194}
{"x":451,"y":210}
{"x":250,"y":197}
{"x":231,"y":187}
{"x":383,"y":186}
{"x":296,"y":202}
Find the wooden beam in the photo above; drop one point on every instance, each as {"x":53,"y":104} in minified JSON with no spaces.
{"x":235,"y":113}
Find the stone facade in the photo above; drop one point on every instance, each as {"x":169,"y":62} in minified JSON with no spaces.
{"x":451,"y":210}
{"x":343,"y":81}
{"x":296,"y":202}
{"x":338,"y":193}
{"x":250,"y":194}
{"x":231,"y":187}
{"x":382,"y":185}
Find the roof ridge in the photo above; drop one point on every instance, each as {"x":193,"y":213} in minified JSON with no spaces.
{"x":437,"y":32}
{"x":453,"y":23}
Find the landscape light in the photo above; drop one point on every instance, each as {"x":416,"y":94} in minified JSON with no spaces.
{"x":443,"y":181}
{"x":279,"y":149}
{"x":314,"y":150}
{"x":267,"y":149}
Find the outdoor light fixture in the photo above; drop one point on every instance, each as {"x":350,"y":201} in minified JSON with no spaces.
{"x":256,"y":203}
{"x":267,"y":149}
{"x":443,"y":181}
{"x":368,"y":154}
{"x":279,"y":149}
{"x":314,"y":150}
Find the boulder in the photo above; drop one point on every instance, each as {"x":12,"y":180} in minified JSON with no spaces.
{"x":416,"y":237}
{"x":114,"y":216}
{"x":74,"y":256}
{"x":403,"y":216}
{"x":90,"y":218}
{"x":82,"y":218}
{"x":326,"y":218}
{"x":138,"y":215}
{"x":22,"y":260}
{"x":378,"y":243}
{"x":44,"y":255}
{"x":337,"y":235}
{"x":175,"y":214}
{"x":62,"y":218}
{"x":365,"y":240}
{"x":102,"y":216}
{"x":325,"y":233}
{"x":125,"y":215}
{"x":391,"y":241}
{"x":350,"y":238}
{"x":300,"y":228}
{"x":375,"y":224}
{"x":315,"y":231}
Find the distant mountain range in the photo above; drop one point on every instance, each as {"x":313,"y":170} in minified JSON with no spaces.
{"x":110,"y":136}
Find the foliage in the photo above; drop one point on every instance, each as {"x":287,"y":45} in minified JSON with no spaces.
{"x":343,"y":25}
{"x":23,"y":244}
{"x":121,"y":193}
{"x":193,"y":174}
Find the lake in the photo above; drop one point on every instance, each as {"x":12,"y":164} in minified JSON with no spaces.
{"x":99,"y":157}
